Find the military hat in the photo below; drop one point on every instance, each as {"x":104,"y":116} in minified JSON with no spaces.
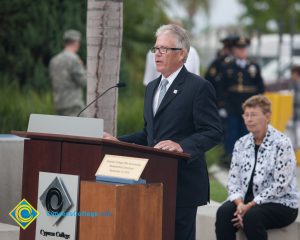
{"x":228,"y":41}
{"x":72,"y":35}
{"x":241,"y":42}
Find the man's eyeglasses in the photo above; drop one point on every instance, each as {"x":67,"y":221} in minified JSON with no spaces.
{"x":163,"y":50}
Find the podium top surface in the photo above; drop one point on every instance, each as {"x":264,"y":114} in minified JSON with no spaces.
{"x":98,"y":141}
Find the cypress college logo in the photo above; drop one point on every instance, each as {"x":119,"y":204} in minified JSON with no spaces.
{"x":24,"y":214}
{"x":56,"y":200}
{"x":57,"y":197}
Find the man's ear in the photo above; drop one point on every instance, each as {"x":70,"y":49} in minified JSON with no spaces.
{"x":182,"y":55}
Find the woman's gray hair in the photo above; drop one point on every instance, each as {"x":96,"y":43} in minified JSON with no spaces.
{"x":258,"y":101}
{"x":179,"y":33}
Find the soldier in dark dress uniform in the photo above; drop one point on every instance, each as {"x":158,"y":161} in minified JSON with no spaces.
{"x":214,"y":75}
{"x":241,"y":79}
{"x":214,"y":71}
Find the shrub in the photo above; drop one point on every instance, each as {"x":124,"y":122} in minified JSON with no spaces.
{"x":16,"y":106}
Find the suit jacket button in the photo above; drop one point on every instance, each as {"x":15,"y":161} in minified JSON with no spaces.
{"x":154,"y":141}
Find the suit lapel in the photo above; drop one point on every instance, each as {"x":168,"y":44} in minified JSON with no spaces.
{"x":173,"y":91}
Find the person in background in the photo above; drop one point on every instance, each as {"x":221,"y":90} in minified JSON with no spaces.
{"x":214,"y":71}
{"x":295,"y":77}
{"x":262,"y":191}
{"x":214,"y":76}
{"x":241,"y":79}
{"x":68,"y":76}
{"x":180,"y":115}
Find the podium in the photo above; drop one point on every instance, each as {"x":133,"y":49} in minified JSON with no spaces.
{"x":82,"y":156}
{"x":124,"y":211}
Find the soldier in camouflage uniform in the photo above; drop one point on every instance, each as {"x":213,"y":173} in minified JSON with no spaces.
{"x":241,"y":79}
{"x":68,"y":76}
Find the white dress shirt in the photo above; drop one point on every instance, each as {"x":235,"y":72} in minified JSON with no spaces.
{"x":171,"y":79}
{"x":241,"y":63}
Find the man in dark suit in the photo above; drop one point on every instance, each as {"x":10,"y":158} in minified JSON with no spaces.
{"x":180,"y":115}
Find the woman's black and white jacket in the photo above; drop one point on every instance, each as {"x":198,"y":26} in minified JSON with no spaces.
{"x":274,"y":178}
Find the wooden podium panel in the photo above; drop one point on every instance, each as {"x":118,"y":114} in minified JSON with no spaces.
{"x":82,"y":156}
{"x":39,"y":156}
{"x":86,"y":159}
{"x":129,"y":212}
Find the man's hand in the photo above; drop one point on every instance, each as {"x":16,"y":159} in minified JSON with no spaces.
{"x":109,"y":137}
{"x":169,"y":146}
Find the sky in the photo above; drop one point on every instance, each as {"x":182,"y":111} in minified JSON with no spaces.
{"x":223,"y":13}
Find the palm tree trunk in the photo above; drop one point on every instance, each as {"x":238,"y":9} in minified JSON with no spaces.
{"x":104,"y":42}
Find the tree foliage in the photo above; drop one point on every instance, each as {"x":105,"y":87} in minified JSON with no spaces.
{"x":31,"y":33}
{"x":190,"y":7}
{"x":141,"y":19}
{"x":193,"y":6}
{"x":261,"y":15}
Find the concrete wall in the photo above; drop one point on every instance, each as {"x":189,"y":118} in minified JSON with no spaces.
{"x":205,"y":228}
{"x":11,"y":170}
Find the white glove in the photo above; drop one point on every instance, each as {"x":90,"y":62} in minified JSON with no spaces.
{"x":223,"y":113}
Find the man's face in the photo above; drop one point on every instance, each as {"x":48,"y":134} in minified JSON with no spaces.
{"x":226,"y":51}
{"x":295,"y":76}
{"x":241,"y":52}
{"x":76,"y":46}
{"x":169,"y":62}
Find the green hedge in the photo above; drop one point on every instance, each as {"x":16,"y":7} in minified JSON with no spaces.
{"x":16,"y":106}
{"x":218,"y":193}
{"x":130,"y":115}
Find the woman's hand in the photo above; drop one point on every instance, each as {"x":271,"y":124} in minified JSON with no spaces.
{"x":237,"y":221}
{"x":241,"y":210}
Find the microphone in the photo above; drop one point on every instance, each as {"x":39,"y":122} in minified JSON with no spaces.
{"x":121,"y":84}
{"x":118,"y":85}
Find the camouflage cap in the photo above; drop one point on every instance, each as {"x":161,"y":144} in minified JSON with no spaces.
{"x":72,"y":35}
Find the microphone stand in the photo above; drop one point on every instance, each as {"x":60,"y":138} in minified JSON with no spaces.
{"x":115,"y":86}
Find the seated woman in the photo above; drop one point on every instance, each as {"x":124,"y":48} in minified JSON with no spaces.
{"x":262,"y":181}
